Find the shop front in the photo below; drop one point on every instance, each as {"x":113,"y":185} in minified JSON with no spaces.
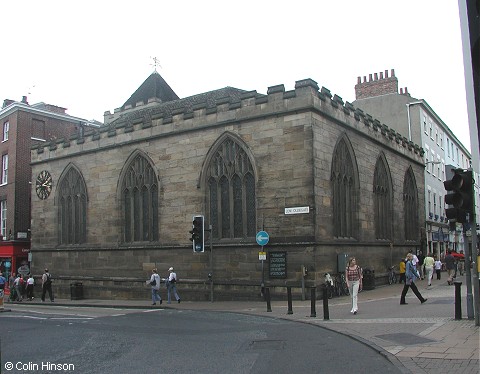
{"x":439,"y":243}
{"x":14,"y":259}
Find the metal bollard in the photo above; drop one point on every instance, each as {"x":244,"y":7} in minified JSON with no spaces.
{"x":326,"y":314}
{"x":458,"y":300}
{"x":313,"y":312}
{"x":267,"y":297}
{"x":289,"y":295}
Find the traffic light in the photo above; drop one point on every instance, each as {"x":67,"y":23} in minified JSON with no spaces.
{"x":460,"y":196}
{"x":197,"y":232}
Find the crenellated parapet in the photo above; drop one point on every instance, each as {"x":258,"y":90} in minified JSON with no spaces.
{"x":224,"y":107}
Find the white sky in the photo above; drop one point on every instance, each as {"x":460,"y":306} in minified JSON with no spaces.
{"x":90,"y":56}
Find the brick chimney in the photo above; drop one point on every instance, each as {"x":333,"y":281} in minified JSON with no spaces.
{"x":376,"y":86}
{"x":7,"y":102}
{"x":55,"y":109}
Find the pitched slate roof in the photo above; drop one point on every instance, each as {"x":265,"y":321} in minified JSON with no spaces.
{"x":166,"y":109}
{"x":154,"y":86}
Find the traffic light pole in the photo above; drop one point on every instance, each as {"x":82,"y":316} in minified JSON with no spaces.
{"x":210,"y":275}
{"x":468,"y":276}
{"x":475,"y":258}
{"x":471,"y":262}
{"x":476,"y":280}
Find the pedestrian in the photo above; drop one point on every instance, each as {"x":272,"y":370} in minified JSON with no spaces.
{"x":428,"y":263}
{"x":172,"y":285}
{"x":11,"y":281}
{"x":3,"y":284}
{"x":154,"y":283}
{"x":414,"y":263}
{"x":438,"y":268}
{"x":47,"y":285}
{"x":411,"y":274}
{"x":22,"y":287}
{"x":401,"y":268}
{"x":3,"y":281}
{"x":456,"y":267}
{"x":461,"y":264}
{"x":414,"y":259}
{"x":30,"y":284}
{"x":17,"y":286}
{"x":11,"y":284}
{"x":450,"y":265}
{"x":419,"y":264}
{"x":353,"y":277}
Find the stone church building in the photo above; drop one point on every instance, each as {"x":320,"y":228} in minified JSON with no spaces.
{"x":123,"y":196}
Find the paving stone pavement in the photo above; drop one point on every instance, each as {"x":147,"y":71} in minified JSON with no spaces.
{"x":418,"y":338}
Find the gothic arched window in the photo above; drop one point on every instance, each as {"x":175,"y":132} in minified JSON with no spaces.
{"x":382,"y":191}
{"x":344,"y":186}
{"x":140,"y":201}
{"x":230,"y":191}
{"x":72,"y":212}
{"x":410,"y":206}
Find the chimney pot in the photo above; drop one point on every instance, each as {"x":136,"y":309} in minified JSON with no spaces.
{"x":375,"y":86}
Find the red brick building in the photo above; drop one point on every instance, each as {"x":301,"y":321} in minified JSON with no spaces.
{"x":22,"y":125}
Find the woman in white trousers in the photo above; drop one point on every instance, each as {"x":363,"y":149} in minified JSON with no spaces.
{"x":429,"y":262}
{"x":353,"y":277}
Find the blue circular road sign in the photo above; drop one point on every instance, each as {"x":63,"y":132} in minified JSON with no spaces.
{"x":262,"y":238}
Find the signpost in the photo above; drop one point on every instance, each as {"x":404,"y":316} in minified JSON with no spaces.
{"x":262,"y":239}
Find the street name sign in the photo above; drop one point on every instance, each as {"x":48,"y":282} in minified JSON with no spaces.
{"x":297,"y":210}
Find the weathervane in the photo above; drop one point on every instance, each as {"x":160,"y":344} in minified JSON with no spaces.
{"x":156,"y":63}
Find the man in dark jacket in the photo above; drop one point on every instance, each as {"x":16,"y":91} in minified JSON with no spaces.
{"x":420,"y":268}
{"x":450,"y":265}
{"x":47,"y":285}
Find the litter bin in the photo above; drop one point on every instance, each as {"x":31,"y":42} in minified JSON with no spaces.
{"x":76,"y":291}
{"x":368,"y":279}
